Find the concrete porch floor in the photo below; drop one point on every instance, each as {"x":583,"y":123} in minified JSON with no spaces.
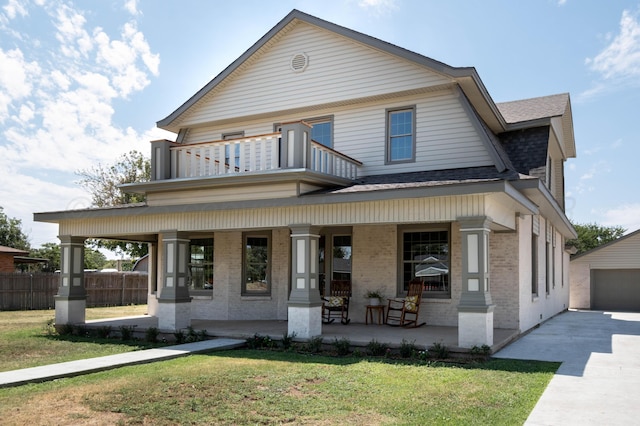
{"x":358,"y":334}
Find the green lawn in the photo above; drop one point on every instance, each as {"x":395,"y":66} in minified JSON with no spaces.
{"x":275,"y":387}
{"x":26,"y":340}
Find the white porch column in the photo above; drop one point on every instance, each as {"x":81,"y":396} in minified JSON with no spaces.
{"x":305,"y":305}
{"x":174,"y":302}
{"x":475,"y":311}
{"x":71,"y":300}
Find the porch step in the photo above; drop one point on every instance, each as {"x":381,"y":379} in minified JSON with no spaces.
{"x":91,"y":365}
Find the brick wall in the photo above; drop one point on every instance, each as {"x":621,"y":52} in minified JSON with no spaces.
{"x":6,"y":262}
{"x":504,"y":252}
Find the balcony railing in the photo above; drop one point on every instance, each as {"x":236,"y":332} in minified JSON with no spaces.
{"x":260,"y":153}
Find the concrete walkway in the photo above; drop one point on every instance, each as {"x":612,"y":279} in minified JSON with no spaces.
{"x":92,"y":365}
{"x":598,"y":382}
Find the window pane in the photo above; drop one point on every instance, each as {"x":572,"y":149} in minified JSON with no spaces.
{"x":321,"y":133}
{"x":201,"y":264}
{"x":401,"y":135}
{"x":426,"y":257}
{"x":341,"y":257}
{"x":256,"y":265}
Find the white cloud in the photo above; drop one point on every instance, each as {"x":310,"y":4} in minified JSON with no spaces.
{"x":14,"y":8}
{"x":378,"y":7}
{"x":618,"y":64}
{"x":131,"y":6}
{"x":626,"y":215}
{"x":585,"y":181}
{"x":60,"y":101}
{"x":16,"y":75}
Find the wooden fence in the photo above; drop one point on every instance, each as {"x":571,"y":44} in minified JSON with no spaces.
{"x":24,"y":291}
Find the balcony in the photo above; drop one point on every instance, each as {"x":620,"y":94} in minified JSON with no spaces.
{"x":290,"y":149}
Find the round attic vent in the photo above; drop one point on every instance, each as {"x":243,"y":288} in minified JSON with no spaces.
{"x":299,"y":62}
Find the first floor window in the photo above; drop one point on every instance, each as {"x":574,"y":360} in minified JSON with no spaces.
{"x":201,"y":264}
{"x":401,"y":135}
{"x":341,"y":263}
{"x":425,"y":258}
{"x":257,"y":280}
{"x":534,"y":265}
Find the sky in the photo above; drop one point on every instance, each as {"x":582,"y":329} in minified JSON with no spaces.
{"x":84,"y":82}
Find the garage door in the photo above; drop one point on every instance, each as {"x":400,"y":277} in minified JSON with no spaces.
{"x":615,"y":289}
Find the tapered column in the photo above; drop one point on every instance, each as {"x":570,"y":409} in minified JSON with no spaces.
{"x":174,"y":302}
{"x":305,"y":305}
{"x":475,"y":311}
{"x":71,"y":300}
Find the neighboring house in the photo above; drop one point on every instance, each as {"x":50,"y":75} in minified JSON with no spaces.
{"x":608,"y":277}
{"x":7,"y":258}
{"x":322,"y":154}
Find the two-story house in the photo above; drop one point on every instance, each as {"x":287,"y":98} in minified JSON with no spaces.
{"x":325,"y":154}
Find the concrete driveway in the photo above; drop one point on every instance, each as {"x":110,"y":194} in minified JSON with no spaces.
{"x":598,"y":382}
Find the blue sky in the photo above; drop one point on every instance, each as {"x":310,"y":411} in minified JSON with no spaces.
{"x":82,"y":82}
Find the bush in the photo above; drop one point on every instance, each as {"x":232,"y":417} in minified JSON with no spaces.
{"x":438,"y":350}
{"x":408,"y":349}
{"x":481,"y":352}
{"x":151,"y":335}
{"x":342,"y":346}
{"x":375,"y":348}
{"x":259,"y":342}
{"x":314,"y":345}
{"x":126,"y":332}
{"x":65,"y":329}
{"x":180,"y":337}
{"x":287,"y":340}
{"x":103,"y":331}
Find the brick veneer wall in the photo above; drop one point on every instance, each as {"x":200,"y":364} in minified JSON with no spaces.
{"x":504,"y":270}
{"x":6,"y":262}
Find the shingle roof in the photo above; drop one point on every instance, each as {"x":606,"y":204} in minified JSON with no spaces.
{"x":534,"y":108}
{"x":11,"y":250}
{"x":429,"y":178}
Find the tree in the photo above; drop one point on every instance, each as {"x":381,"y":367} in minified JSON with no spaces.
{"x":51,"y":252}
{"x":102,"y":182}
{"x":11,"y":234}
{"x":592,"y":235}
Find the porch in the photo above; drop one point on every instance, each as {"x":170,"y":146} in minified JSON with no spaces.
{"x":357,"y":333}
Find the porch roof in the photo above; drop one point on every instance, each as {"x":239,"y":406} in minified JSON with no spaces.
{"x":434,"y":183}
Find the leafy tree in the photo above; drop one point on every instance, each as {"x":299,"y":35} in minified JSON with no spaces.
{"x":11,"y":234}
{"x":102,"y":182}
{"x":592,"y":235}
{"x":51,"y":252}
{"x":93,"y":259}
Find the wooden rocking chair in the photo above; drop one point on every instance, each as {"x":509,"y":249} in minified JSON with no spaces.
{"x":337,"y":303}
{"x":404,"y":312}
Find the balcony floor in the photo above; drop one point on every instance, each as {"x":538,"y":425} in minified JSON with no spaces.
{"x":358,"y":334}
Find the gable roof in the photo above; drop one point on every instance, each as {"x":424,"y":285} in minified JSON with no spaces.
{"x":609,"y":244}
{"x":466,"y":77}
{"x":534,"y":108}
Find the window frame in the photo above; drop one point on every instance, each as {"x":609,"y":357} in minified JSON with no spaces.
{"x":311,"y":121}
{"x":204,"y":265}
{"x":388,"y":155}
{"x":402,"y":231}
{"x":227,"y":148}
{"x":245,"y":238}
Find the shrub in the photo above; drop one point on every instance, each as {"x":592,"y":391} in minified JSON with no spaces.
{"x":50,"y":328}
{"x":287,"y":340}
{"x":342,"y":346}
{"x":259,"y":342}
{"x":439,"y":350}
{"x":180,"y":337}
{"x":375,"y":348}
{"x":314,"y":345}
{"x":481,"y":352}
{"x":151,"y":335}
{"x":126,"y":332}
{"x":82,"y":330}
{"x":103,"y":331}
{"x":408,"y":349}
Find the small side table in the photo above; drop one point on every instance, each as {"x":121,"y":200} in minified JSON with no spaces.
{"x":369,"y":314}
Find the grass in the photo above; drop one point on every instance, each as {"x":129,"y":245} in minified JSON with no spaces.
{"x":265,"y":387}
{"x":26,"y":340}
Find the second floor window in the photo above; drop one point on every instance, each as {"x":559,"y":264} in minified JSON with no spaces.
{"x":401,"y":135}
